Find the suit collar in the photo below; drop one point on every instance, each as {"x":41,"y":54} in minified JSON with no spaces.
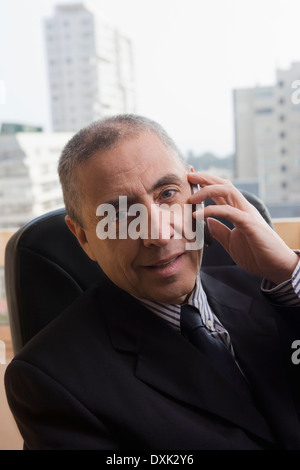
{"x":167,"y":362}
{"x":256,"y":341}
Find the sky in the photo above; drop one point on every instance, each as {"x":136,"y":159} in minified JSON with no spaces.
{"x":189,"y":57}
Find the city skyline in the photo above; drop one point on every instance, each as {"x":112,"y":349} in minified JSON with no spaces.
{"x":189,"y":57}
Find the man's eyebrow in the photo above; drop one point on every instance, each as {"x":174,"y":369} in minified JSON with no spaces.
{"x":116,"y":202}
{"x":170,"y":178}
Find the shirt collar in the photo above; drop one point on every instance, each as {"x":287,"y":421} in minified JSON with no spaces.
{"x":171,"y":312}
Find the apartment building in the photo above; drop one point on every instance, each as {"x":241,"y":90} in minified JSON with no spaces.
{"x":267,"y":133}
{"x":29,"y":184}
{"x":90,"y":68}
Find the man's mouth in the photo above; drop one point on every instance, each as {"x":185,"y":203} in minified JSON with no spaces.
{"x":166,"y":267}
{"x":163,"y":263}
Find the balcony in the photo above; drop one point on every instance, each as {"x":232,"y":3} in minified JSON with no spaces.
{"x":288,"y":229}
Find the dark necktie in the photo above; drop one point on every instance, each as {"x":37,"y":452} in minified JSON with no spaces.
{"x":217,"y":353}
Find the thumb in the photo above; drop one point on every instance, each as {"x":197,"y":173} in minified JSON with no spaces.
{"x":220,"y":232}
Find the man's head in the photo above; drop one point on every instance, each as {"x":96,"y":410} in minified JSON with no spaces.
{"x":101,"y":136}
{"x":134,"y":157}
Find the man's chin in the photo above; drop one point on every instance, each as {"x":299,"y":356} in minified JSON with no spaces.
{"x":175,"y":293}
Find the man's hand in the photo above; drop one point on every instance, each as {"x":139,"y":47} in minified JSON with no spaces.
{"x":252,"y":243}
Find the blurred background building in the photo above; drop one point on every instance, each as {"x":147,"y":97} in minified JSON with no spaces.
{"x":267,"y":135}
{"x":29,"y":185}
{"x":90,"y":68}
{"x":90,"y":76}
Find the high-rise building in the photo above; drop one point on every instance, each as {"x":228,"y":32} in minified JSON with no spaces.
{"x":29,"y":184}
{"x":267,"y":133}
{"x":90,"y":68}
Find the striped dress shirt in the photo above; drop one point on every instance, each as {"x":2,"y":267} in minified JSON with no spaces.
{"x":287,"y":293}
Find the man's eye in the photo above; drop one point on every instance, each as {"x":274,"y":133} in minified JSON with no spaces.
{"x":168,"y":193}
{"x":120,"y":216}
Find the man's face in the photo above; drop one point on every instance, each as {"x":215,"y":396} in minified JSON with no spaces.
{"x":148,"y":173}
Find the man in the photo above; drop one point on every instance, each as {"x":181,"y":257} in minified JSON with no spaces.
{"x":117,"y":369}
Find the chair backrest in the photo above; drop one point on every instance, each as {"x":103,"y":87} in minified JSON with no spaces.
{"x":46,"y":269}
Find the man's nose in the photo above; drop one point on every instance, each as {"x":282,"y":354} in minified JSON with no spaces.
{"x":160,"y":227}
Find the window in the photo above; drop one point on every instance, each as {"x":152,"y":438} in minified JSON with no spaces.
{"x":264,"y":111}
{"x":264,"y":93}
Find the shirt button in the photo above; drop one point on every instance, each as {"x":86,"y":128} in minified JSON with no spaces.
{"x":209,"y":324}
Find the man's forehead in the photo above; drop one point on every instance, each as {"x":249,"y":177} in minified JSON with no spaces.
{"x":142,"y":162}
{"x":140,"y":146}
{"x":133,"y":193}
{"x":143,"y":150}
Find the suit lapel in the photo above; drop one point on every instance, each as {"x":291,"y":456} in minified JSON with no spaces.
{"x":167,"y":362}
{"x":171,"y":364}
{"x":254,"y":333}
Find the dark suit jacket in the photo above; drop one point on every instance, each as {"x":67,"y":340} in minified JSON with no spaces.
{"x":109,"y":374}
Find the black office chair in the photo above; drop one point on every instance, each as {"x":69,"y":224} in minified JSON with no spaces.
{"x":46,"y":269}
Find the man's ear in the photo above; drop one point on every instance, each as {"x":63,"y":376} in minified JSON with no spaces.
{"x":80,"y":234}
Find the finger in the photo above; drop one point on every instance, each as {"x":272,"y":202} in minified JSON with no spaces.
{"x":204,"y":179}
{"x":219,"y":200}
{"x":222,"y":194}
{"x":220,"y":190}
{"x":238,"y":217}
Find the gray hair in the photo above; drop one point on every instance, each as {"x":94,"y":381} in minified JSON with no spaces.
{"x":101,"y":136}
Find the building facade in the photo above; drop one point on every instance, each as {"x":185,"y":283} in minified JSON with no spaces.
{"x":267,"y":134}
{"x":90,"y":68}
{"x":29,"y":184}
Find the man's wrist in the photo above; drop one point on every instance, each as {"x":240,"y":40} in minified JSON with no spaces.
{"x":286,"y":273}
{"x":286,"y":292}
